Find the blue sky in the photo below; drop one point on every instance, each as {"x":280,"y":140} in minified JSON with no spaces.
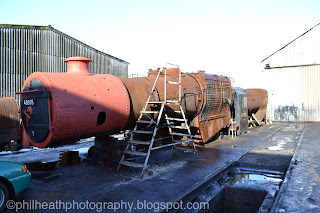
{"x":221,"y":37}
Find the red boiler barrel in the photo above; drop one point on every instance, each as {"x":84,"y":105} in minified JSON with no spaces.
{"x":257,"y":102}
{"x":139,"y":91}
{"x":72,"y":105}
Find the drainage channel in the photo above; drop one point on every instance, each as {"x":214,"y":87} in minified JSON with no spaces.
{"x":235,"y":189}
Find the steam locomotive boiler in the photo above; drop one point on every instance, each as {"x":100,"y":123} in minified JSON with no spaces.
{"x":257,"y":102}
{"x":248,"y":104}
{"x":59,"y":107}
{"x":64,"y":107}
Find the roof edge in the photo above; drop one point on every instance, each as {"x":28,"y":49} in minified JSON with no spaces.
{"x":49,"y":27}
{"x":290,"y":42}
{"x":25,"y":26}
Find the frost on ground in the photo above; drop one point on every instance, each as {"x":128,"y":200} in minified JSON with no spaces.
{"x":156,"y":170}
{"x":83,"y":152}
{"x":281,"y":142}
{"x":34,"y":154}
{"x":278,"y":147}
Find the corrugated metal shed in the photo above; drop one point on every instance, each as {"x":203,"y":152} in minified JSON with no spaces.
{"x":27,"y":49}
{"x":293,"y":73}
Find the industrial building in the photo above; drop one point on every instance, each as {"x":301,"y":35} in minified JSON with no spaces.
{"x":293,"y":75}
{"x":27,"y":49}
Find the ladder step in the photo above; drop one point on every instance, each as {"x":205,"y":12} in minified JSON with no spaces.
{"x":131,"y":164}
{"x":197,"y":137}
{"x":170,"y":110}
{"x":139,"y":142}
{"x":166,"y":145}
{"x":154,"y":102}
{"x":142,"y":132}
{"x":179,"y":134}
{"x":173,"y":82}
{"x":184,"y":148}
{"x":165,"y":126}
{"x":136,"y":153}
{"x":178,"y":127}
{"x":159,"y":139}
{"x":145,"y":122}
{"x":172,"y":102}
{"x":149,"y":112}
{"x":176,"y":119}
{"x":180,"y":141}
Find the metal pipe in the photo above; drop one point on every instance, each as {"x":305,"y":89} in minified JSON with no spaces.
{"x":29,"y":91}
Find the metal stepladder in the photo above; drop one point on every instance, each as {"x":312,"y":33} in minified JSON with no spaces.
{"x":156,"y":116}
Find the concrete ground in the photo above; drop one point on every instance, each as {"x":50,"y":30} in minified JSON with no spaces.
{"x":275,"y":152}
{"x":300,"y":191}
{"x":269,"y":147}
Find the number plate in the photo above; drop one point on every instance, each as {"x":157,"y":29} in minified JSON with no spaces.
{"x":29,"y":102}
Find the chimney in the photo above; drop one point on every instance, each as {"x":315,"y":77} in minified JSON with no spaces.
{"x":78,"y":65}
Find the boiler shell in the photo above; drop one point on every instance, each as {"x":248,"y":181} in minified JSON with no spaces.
{"x":79,"y":106}
{"x":139,"y":90}
{"x":257,"y":102}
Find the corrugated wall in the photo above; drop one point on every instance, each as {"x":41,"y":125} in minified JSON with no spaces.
{"x":309,"y":89}
{"x":27,"y":49}
{"x":294,"y":93}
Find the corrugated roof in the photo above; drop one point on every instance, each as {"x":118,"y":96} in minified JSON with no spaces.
{"x":290,"y":42}
{"x":49,"y":27}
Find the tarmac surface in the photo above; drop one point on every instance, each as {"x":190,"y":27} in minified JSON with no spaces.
{"x":268,"y":147}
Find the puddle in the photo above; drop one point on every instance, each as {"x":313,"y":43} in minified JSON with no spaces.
{"x":242,"y":178}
